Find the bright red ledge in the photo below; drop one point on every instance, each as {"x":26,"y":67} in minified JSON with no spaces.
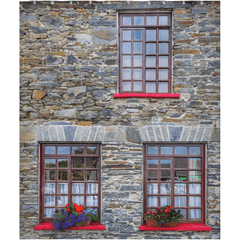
{"x":180,"y":227}
{"x":146,"y":95}
{"x":92,"y":226}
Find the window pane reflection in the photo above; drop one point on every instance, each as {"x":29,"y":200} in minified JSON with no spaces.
{"x":152,"y":175}
{"x":165,"y":176}
{"x":165,"y":201}
{"x":152,"y":188}
{"x":165,"y":188}
{"x":152,"y":201}
{"x":152,"y":163}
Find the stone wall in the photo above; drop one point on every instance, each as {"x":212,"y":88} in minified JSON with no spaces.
{"x":68,"y":75}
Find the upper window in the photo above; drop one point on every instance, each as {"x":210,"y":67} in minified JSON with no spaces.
{"x":174,"y":175}
{"x":145,"y":53}
{"x":70,"y":174}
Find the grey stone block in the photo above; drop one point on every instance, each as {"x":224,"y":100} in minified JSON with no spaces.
{"x":158,"y":134}
{"x":53,"y":133}
{"x":199,"y":134}
{"x":215,"y":135}
{"x":71,"y":113}
{"x":105,"y":36}
{"x":92,"y":134}
{"x":47,"y":77}
{"x":151,"y":133}
{"x":45,"y":134}
{"x":144,"y":135}
{"x":85,"y":135}
{"x":69,"y":132}
{"x":78,"y":134}
{"x":165,"y":133}
{"x":110,"y":136}
{"x":100,"y":133}
{"x":38,"y":132}
{"x":192,"y":134}
{"x":175,"y":133}
{"x":207,"y":134}
{"x":61,"y":135}
{"x":133,"y":135}
{"x":60,"y":123}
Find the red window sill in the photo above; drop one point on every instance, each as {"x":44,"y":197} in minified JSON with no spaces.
{"x":49,"y":226}
{"x":146,"y":95}
{"x":180,"y":227}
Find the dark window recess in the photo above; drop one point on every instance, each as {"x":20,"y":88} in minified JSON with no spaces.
{"x":70,"y":173}
{"x":145,"y":53}
{"x":174,"y":175}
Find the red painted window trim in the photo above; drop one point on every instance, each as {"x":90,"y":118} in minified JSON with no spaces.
{"x":146,"y":95}
{"x":180,"y":227}
{"x":49,"y":226}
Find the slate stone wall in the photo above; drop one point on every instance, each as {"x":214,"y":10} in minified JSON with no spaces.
{"x":68,"y":75}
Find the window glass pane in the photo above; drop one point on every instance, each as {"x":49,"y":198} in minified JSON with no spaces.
{"x":194,"y":201}
{"x":92,"y":187}
{"x":166,"y":150}
{"x":165,"y":188}
{"x":162,"y":87}
{"x":180,"y":188}
{"x":151,"y":61}
{"x":151,"y":75}
{"x":49,"y":175}
{"x":92,"y":162}
{"x":152,"y":20}
{"x":63,"y":163}
{"x":48,"y":212}
{"x":180,"y":201}
{"x":165,"y":163}
{"x":195,"y":188}
{"x":180,"y":176}
{"x":166,"y":176}
{"x":79,"y":200}
{"x":62,"y":175}
{"x":150,"y":48}
{"x":137,"y":34}
{"x":63,"y":150}
{"x":49,"y":201}
{"x":195,"y":163}
{"x":163,"y":20}
{"x":92,"y":175}
{"x":126,"y":61}
{"x":165,"y":201}
{"x":126,"y":20}
{"x":163,"y":75}
{"x":152,"y":150}
{"x":137,"y":86}
{"x":78,"y":188}
{"x":194,"y":176}
{"x":62,"y":187}
{"x":137,"y":47}
{"x":78,"y":175}
{"x":126,"y":86}
{"x":78,"y":150}
{"x":180,"y":150}
{"x":126,"y":35}
{"x":163,"y":35}
{"x":78,"y":162}
{"x":180,"y":162}
{"x":194,"y":150}
{"x":50,"y":163}
{"x":163,"y":48}
{"x":127,"y":74}
{"x":152,"y":188}
{"x":92,"y":200}
{"x":49,"y":187}
{"x":151,"y":35}
{"x":91,"y":149}
{"x":127,"y":47}
{"x":195,"y":213}
{"x":152,"y":175}
{"x":152,"y":163}
{"x":137,"y":61}
{"x":163,"y":61}
{"x":137,"y":74}
{"x":50,"y":150}
{"x":152,"y":201}
{"x":62,"y":201}
{"x":138,"y":20}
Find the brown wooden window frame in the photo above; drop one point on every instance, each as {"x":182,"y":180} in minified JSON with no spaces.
{"x":70,"y":180}
{"x":159,"y":156}
{"x":144,"y":68}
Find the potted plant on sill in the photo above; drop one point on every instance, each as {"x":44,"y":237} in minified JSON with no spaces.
{"x":150,"y":217}
{"x":91,"y":214}
{"x":167,"y":217}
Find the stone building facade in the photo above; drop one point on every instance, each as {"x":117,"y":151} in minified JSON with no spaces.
{"x":69,"y":72}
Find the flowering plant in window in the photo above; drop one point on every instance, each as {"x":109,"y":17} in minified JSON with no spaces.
{"x":150,"y":215}
{"x":92,"y":214}
{"x":167,"y":215}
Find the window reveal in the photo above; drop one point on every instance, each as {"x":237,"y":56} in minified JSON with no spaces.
{"x":174,"y":175}
{"x":145,"y":53}
{"x":70,"y":174}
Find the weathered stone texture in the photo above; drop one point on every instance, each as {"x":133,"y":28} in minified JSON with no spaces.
{"x":68,"y":75}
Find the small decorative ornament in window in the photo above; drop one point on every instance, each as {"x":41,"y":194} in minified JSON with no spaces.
{"x":148,"y":3}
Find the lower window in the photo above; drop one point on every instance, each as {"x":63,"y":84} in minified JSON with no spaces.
{"x":174,"y":175}
{"x":70,"y":173}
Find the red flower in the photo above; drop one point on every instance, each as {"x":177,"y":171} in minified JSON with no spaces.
{"x":68,"y":209}
{"x":78,"y":208}
{"x":66,"y":205}
{"x":170,"y":207}
{"x":166,"y":210}
{"x":158,"y":209}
